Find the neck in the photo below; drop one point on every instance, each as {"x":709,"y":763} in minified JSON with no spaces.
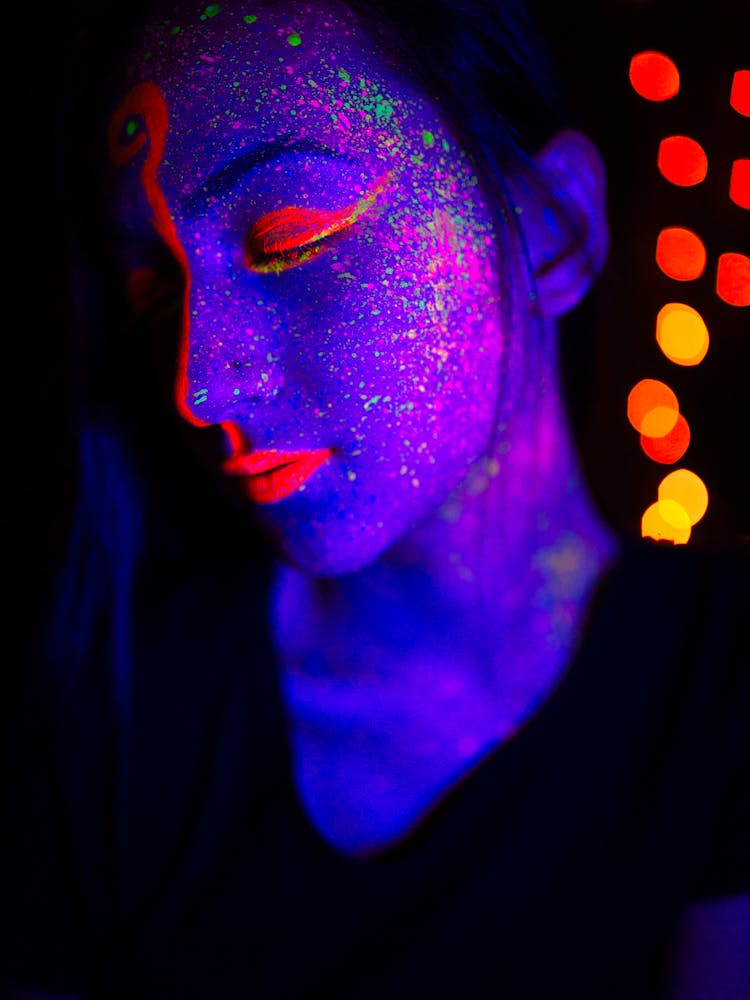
{"x":454,"y":636}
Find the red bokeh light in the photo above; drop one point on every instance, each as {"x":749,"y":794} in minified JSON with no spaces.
{"x":740,"y":96}
{"x":682,"y":160}
{"x":671,"y":447}
{"x":680,"y":253}
{"x":654,"y":76}
{"x":739,"y":183}
{"x":733,"y":279}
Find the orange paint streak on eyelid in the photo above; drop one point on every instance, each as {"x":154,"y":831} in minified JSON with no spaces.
{"x":293,"y":226}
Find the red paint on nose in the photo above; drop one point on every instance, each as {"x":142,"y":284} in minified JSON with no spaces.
{"x":146,"y":101}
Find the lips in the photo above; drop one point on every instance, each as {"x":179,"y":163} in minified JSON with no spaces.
{"x":273,"y":475}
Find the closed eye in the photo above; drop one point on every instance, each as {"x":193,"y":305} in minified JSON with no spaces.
{"x":293,"y":235}
{"x":289,"y":237}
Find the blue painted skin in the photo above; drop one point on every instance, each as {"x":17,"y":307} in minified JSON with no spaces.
{"x":430,"y":589}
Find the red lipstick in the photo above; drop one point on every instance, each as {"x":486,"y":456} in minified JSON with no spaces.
{"x":273,"y":475}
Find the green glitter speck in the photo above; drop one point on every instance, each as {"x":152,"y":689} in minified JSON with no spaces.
{"x":131,"y":128}
{"x":383,"y":108}
{"x":212,"y":10}
{"x":236,"y":392}
{"x":251,"y":18}
{"x":428,"y":139}
{"x":175,"y":30}
{"x":343,"y":75}
{"x":294,"y":38}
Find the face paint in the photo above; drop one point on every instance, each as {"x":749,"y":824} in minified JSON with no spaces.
{"x":341,"y":317}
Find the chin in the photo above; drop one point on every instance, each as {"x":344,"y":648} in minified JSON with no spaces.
{"x":329,"y":554}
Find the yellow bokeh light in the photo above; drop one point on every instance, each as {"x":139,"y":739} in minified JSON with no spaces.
{"x":687,"y":490}
{"x":681,"y":334}
{"x":667,"y":521}
{"x":659,"y":421}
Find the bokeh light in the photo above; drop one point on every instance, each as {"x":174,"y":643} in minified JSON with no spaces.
{"x":666,"y":520}
{"x":670,"y":447}
{"x":686,"y":489}
{"x":654,"y":76}
{"x":739,"y":183}
{"x":680,"y":253}
{"x":733,"y":279}
{"x":682,"y":160}
{"x":740,"y":95}
{"x":652,"y":408}
{"x":682,"y":334}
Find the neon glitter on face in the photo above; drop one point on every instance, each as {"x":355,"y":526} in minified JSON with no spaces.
{"x":342,"y":290}
{"x":342,"y":325}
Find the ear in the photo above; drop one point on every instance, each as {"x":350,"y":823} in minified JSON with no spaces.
{"x":565,"y":225}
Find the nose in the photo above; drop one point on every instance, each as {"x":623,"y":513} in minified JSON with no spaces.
{"x":220,"y":369}
{"x":208,"y":393}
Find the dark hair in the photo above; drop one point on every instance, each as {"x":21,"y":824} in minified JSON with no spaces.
{"x":486,"y":65}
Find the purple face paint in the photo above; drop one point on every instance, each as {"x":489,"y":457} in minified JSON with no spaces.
{"x":343,"y":300}
{"x":342,"y":325}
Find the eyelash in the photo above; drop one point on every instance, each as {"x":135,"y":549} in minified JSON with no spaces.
{"x":263,"y":259}
{"x":292,"y":236}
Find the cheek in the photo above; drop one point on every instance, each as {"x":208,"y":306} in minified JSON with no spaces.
{"x":414,"y":376}
{"x":427,"y":310}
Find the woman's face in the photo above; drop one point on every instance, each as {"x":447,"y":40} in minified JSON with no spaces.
{"x":342,"y":294}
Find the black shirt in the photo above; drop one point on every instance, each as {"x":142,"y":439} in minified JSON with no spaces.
{"x":557,"y":869}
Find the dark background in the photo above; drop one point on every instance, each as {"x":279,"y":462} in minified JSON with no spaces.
{"x":708,"y":41}
{"x":592,"y":43}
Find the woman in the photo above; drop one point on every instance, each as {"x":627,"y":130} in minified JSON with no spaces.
{"x":492,"y":786}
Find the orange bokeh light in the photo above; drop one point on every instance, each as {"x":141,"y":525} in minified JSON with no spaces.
{"x":680,"y":253}
{"x":659,"y":421}
{"x":681,"y":334}
{"x":652,"y":408}
{"x":670,"y":447}
{"x":686,"y":489}
{"x":739,"y":183}
{"x":666,"y":520}
{"x":740,"y":96}
{"x":733,"y":279}
{"x":682,"y":160}
{"x":654,"y":76}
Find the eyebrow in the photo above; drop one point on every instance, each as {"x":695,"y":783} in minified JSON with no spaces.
{"x":222,"y":181}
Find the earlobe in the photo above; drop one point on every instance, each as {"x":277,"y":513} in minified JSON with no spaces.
{"x":565,"y":224}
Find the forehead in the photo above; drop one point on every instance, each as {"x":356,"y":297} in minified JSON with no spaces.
{"x":307,"y":70}
{"x":195,"y":40}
